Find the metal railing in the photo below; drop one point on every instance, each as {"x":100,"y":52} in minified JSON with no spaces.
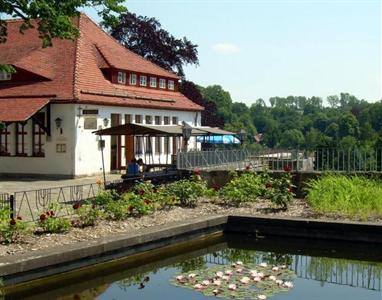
{"x":30,"y":204}
{"x":318,"y":160}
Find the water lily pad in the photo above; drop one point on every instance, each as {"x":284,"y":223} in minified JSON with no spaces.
{"x":231,"y":281}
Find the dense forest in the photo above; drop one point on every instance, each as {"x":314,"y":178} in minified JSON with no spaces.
{"x":340,"y":121}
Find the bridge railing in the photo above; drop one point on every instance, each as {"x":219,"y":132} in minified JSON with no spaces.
{"x":318,"y":160}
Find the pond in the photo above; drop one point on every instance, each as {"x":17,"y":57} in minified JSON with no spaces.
{"x":305,"y":269}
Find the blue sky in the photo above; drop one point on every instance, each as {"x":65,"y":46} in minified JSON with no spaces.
{"x":264,"y":48}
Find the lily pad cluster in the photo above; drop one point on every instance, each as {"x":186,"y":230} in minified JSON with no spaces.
{"x":239,"y":281}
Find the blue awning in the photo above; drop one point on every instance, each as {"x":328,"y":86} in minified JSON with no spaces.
{"x":218,"y":139}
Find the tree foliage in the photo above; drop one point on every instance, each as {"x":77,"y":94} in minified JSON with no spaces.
{"x":54,"y":17}
{"x":146,"y":37}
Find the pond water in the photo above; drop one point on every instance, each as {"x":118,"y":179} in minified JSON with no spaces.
{"x":320,"y":270}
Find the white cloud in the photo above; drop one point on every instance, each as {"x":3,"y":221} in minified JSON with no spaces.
{"x":225,"y":48}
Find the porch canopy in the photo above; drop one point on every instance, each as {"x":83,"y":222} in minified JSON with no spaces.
{"x":159,"y":130}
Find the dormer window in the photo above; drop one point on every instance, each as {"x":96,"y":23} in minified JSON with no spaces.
{"x":5,"y":76}
{"x":153,"y":82}
{"x":171,"y":85}
{"x":162,"y":83}
{"x":143,"y":80}
{"x":121,"y":77}
{"x":133,"y":79}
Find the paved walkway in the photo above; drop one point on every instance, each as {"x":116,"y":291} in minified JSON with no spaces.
{"x":25,"y":184}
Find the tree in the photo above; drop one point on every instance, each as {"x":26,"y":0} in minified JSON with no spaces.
{"x":53,"y":17}
{"x":144,"y":36}
{"x":292,"y":138}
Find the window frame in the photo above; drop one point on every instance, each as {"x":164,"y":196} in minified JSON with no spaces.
{"x":133,"y":79}
{"x":20,"y":134}
{"x":171,"y":85}
{"x":38,"y":134}
{"x":155,"y":81}
{"x":5,"y":76}
{"x":142,"y":80}
{"x":162,"y":83}
{"x":121,"y":79}
{"x":5,"y":141}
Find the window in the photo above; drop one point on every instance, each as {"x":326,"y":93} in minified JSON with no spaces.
{"x":158,"y":145}
{"x":128,"y":119}
{"x":4,"y":141}
{"x":175,"y":140}
{"x":157,"y":120}
{"x":143,"y":80}
{"x":5,"y":76}
{"x":166,"y":120}
{"x":133,"y":79}
{"x":122,"y":77}
{"x":21,"y":147}
{"x":149,"y":119}
{"x":162,"y":83}
{"x":175,"y":120}
{"x":149,"y":143}
{"x":171,"y":85}
{"x":153,"y":82}
{"x":138,"y":119}
{"x":38,"y":135}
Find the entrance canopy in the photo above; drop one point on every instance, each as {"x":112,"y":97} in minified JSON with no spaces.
{"x":159,"y":130}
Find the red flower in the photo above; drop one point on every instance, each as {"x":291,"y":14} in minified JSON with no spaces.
{"x":147,"y":201}
{"x":269,"y":184}
{"x":76,"y":205}
{"x":12,"y":222}
{"x":215,"y":187}
{"x":19,"y":218}
{"x":93,"y":206}
{"x":131,"y":208}
{"x":288,"y":168}
{"x":290,"y":189}
{"x":52,"y":213}
{"x":248,"y":167}
{"x":42,"y":217}
{"x":47,"y":213}
{"x":141,"y":192}
{"x":196,"y":172}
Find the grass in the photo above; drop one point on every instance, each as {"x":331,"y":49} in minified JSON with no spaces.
{"x":355,"y":197}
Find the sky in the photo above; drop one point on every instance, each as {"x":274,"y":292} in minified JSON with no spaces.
{"x":263,"y":48}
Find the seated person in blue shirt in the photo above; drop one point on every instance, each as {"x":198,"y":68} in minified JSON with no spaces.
{"x":133,"y":168}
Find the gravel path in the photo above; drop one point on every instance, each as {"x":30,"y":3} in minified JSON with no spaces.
{"x":298,"y":208}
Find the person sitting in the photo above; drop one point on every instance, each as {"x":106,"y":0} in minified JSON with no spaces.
{"x":133,"y":168}
{"x":141,"y":165}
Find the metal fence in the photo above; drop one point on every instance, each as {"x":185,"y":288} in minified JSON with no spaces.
{"x":318,"y":160}
{"x":30,"y":204}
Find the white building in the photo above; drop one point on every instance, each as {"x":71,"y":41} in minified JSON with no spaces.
{"x":60,"y":95}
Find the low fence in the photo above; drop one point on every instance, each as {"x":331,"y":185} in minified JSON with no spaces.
{"x":30,"y":204}
{"x":318,"y":160}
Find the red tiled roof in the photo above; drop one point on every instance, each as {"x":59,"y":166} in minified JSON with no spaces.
{"x":20,"y":109}
{"x":73,"y":69}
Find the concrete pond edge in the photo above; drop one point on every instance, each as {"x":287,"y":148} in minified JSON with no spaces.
{"x":17,"y":269}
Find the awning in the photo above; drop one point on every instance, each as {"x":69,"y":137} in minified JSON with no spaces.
{"x":158,"y":130}
{"x":226,"y":139}
{"x":20,"y":109}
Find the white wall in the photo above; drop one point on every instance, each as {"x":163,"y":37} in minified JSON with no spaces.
{"x":88,"y":154}
{"x":83,"y":155}
{"x":52,"y":163}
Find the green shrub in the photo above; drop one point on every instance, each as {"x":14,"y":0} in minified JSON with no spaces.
{"x":85,"y":215}
{"x":50,"y":222}
{"x":105,"y":197}
{"x":241,"y":189}
{"x":356,"y":197}
{"x":186,"y":192}
{"x":11,"y":230}
{"x":280,"y":190}
{"x":116,"y":210}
